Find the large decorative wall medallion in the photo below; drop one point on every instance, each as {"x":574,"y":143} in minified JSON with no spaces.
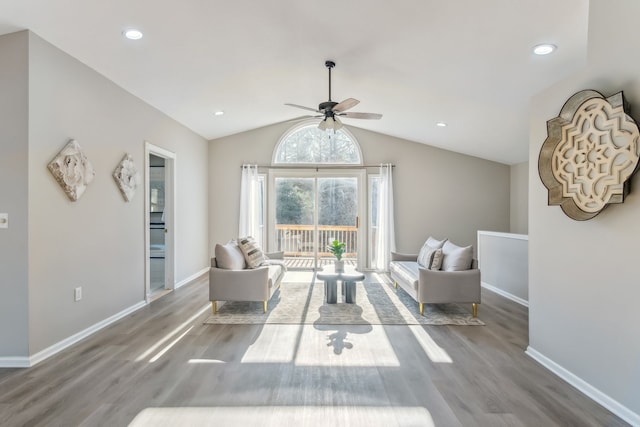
{"x":72,"y":170}
{"x":127,"y":177}
{"x":590,"y":154}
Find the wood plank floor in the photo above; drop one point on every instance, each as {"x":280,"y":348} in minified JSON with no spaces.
{"x":163,"y":366}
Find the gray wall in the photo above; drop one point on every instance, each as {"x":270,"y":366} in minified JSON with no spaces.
{"x":504,"y":262}
{"x":519,"y":201}
{"x":437,"y":192}
{"x":13,"y":195}
{"x":98,"y":241}
{"x":583,"y":285}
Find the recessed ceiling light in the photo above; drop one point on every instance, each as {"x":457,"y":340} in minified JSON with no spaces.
{"x":441,"y":124}
{"x":544,"y":49}
{"x":218,"y":113}
{"x":133,"y":34}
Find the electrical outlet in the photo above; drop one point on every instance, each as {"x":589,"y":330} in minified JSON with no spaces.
{"x":77,"y":294}
{"x":4,"y":220}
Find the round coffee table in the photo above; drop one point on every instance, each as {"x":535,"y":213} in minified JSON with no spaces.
{"x":348,"y":278}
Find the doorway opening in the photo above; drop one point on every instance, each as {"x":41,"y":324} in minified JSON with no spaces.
{"x":156,"y":224}
{"x":313,"y":208}
{"x":159,"y":214}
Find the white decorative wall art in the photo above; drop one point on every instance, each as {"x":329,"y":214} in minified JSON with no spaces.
{"x":127,"y":177}
{"x":590,"y":154}
{"x":72,"y":170}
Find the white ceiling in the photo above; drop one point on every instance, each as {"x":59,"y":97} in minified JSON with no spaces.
{"x":465,"y":62}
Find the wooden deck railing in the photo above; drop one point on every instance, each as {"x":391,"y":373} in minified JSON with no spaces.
{"x":298,"y":240}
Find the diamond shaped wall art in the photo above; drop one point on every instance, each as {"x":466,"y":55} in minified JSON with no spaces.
{"x":590,"y":154}
{"x":127,"y":177}
{"x":72,"y":170}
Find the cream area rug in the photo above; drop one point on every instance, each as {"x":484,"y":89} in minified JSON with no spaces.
{"x":376,"y":304}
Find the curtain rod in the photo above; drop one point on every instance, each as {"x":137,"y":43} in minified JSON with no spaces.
{"x":316,"y":167}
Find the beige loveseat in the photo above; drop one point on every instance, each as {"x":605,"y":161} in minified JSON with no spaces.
{"x":231,"y":280}
{"x":454,"y":279}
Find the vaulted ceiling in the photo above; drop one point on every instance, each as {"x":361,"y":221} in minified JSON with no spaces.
{"x":467,"y":63}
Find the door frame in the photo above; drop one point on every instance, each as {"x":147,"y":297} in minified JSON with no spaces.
{"x":169,"y":217}
{"x":358,"y":173}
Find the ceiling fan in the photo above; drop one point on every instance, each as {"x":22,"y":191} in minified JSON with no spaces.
{"x":331,"y":110}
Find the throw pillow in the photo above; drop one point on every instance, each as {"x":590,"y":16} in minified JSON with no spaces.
{"x":436,"y":243}
{"x":253,"y":255}
{"x":425,"y":257}
{"x":436,"y":262}
{"x":456,"y":258}
{"x":229,"y":256}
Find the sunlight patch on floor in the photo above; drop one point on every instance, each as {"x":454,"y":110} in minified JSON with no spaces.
{"x":369,"y":416}
{"x":275,"y":344}
{"x":345,"y":345}
{"x":433,"y":351}
{"x":169,"y":346}
{"x":173,"y":333}
{"x":298,"y":277}
{"x":322,"y":345}
{"x":380,"y":277}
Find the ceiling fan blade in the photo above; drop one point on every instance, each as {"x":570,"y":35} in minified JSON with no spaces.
{"x":345,"y":105}
{"x":303,"y":107}
{"x":374,"y":116}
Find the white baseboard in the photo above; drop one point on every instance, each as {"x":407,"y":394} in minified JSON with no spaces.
{"x":67,"y":342}
{"x":14,"y":362}
{"x":505,"y":294}
{"x":192,"y":277}
{"x":26,"y":362}
{"x":586,"y":388}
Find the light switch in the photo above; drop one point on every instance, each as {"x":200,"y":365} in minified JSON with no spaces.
{"x":4,"y":220}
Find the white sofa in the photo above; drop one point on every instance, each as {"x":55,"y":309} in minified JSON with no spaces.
{"x":231,"y":280}
{"x":459,"y":282}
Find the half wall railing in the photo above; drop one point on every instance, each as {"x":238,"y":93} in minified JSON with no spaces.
{"x":298,"y":240}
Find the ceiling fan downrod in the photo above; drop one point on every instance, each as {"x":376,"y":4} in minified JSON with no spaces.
{"x":329,"y":65}
{"x":328,"y":104}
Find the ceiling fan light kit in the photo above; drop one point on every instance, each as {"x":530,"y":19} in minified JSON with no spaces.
{"x":330,"y":123}
{"x":331,"y":110}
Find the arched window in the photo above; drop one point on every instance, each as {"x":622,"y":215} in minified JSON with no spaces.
{"x":306,"y":144}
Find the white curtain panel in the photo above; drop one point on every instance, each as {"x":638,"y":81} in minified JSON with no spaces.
{"x":385,"y":237}
{"x":249,"y":223}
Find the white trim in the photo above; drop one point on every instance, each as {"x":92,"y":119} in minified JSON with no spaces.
{"x":309,"y":123}
{"x":192,"y":277}
{"x":14,"y":362}
{"x":505,"y":294}
{"x":73,"y":339}
{"x":507,"y":235}
{"x":603,"y":399}
{"x":162,"y":152}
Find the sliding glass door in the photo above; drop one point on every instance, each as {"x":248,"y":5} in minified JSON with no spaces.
{"x":310,"y":209}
